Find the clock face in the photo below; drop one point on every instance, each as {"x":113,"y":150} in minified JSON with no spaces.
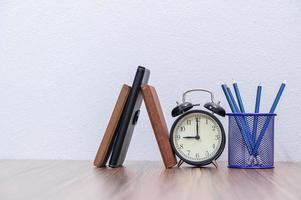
{"x":198,"y":137}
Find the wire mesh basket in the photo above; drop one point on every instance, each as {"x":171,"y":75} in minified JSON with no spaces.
{"x":251,"y":140}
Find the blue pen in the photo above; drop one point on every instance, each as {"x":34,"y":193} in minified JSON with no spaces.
{"x":267,"y":121}
{"x":257,"y":106}
{"x":239,"y":100}
{"x":239,"y":123}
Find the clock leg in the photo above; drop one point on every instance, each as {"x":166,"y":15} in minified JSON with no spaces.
{"x":180,"y":163}
{"x":215,"y":163}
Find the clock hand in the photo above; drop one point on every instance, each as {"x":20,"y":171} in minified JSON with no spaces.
{"x":197,"y":129}
{"x":194,"y":137}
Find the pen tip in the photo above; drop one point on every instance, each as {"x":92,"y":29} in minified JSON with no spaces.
{"x":259,"y":84}
{"x":234,"y":81}
{"x":284,"y":82}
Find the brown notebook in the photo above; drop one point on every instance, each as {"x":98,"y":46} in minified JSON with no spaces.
{"x":157,"y":119}
{"x":105,"y":146}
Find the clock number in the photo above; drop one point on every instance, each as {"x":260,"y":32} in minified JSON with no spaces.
{"x":188,"y":152}
{"x":178,"y":137}
{"x":188,"y":122}
{"x":206,"y":121}
{"x":207,"y":153}
{"x":181,"y":146}
{"x":213,"y":128}
{"x":182,"y":128}
{"x":217,"y":137}
{"x":197,"y":155}
{"x":213,"y":146}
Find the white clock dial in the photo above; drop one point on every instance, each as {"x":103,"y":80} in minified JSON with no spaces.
{"x":197,"y":137}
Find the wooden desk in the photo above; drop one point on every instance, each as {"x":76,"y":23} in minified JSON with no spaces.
{"x":40,"y":180}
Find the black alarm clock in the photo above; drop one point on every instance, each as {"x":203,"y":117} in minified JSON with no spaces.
{"x":197,"y":136}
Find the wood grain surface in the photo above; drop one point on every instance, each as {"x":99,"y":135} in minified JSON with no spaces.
{"x":156,"y":116}
{"x":105,"y":146}
{"x":143,"y":180}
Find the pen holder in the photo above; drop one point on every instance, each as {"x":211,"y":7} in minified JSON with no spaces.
{"x":251,"y":140}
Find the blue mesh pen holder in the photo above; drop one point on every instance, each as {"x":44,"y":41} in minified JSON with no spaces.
{"x":251,"y":140}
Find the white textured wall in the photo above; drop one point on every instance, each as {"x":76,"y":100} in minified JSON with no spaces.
{"x":62,"y":64}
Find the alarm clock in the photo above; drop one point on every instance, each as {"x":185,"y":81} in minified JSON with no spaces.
{"x":197,"y":136}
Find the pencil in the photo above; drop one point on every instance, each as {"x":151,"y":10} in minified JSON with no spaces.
{"x":236,"y":109}
{"x":247,"y":132}
{"x":224,"y":87}
{"x":239,"y":100}
{"x":278,"y":96}
{"x":257,"y":106}
{"x":238,"y":122}
{"x":267,"y":121}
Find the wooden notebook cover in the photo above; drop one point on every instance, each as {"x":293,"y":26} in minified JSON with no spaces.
{"x":157,"y":119}
{"x":107,"y":140}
